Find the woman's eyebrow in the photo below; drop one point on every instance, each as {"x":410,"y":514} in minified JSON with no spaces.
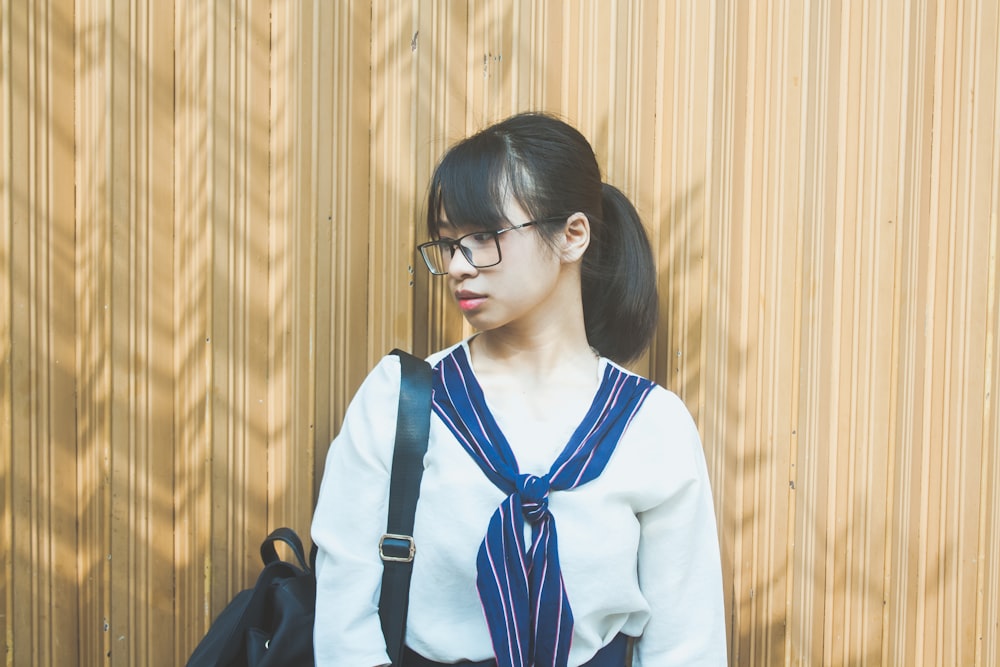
{"x":445,"y":229}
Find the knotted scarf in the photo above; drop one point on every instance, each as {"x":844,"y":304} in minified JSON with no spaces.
{"x":521,"y":587}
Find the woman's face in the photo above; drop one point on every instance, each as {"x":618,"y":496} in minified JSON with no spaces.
{"x":519,"y":291}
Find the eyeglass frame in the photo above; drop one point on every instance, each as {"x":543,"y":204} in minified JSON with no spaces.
{"x":451,"y":244}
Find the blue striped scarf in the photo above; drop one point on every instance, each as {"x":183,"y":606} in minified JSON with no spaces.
{"x":522,"y":592}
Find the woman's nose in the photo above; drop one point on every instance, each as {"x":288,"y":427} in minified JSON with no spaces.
{"x":460,"y":266}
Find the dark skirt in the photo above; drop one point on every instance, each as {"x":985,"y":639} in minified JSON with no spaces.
{"x":612,"y":655}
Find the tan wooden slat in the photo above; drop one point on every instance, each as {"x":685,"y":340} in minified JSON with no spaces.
{"x":192,"y":344}
{"x":39,"y":358}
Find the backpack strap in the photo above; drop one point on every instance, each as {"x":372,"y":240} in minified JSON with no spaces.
{"x":396,"y":548}
{"x":269,"y":554}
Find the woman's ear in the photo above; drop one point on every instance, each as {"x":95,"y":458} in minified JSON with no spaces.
{"x":576,"y":238}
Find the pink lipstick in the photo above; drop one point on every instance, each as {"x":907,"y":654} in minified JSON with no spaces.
{"x":468,"y":301}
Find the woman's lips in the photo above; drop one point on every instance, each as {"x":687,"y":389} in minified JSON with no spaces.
{"x":469,"y":300}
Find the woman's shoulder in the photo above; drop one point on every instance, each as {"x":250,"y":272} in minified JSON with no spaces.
{"x":383,"y":378}
{"x":663,"y":411}
{"x":664,"y":401}
{"x":387,"y":369}
{"x":434,"y":358}
{"x":667,"y":402}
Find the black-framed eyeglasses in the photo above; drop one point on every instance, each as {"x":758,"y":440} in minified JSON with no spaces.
{"x":481,"y":249}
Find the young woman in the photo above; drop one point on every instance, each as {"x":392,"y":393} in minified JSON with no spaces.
{"x":565,"y":504}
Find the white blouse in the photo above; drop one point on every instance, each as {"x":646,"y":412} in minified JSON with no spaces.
{"x":638,"y":546}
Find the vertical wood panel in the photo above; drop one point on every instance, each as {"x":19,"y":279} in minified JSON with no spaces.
{"x":7,"y":215}
{"x":987,"y":624}
{"x":192,"y":344}
{"x":442,"y":38}
{"x":237,"y":204}
{"x":210,"y":211}
{"x":39,"y":350}
{"x":392,"y":186}
{"x":291,"y":409}
{"x":91,"y":259}
{"x":346,"y":206}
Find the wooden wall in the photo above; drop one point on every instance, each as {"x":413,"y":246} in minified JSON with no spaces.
{"x":209,"y":211}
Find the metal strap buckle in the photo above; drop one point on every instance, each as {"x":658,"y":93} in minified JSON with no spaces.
{"x":397,"y":543}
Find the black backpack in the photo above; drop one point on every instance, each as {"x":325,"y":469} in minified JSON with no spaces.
{"x":271,"y":624}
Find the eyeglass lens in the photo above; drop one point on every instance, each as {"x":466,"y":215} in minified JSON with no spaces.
{"x":480,"y":250}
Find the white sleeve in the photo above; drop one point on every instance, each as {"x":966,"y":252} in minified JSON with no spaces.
{"x":680,"y":572}
{"x":350,"y":519}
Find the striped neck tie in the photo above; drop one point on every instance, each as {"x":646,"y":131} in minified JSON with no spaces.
{"x":521,"y":587}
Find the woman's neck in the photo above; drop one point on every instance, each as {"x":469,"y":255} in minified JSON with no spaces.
{"x":535,"y":380}
{"x":534,"y":358}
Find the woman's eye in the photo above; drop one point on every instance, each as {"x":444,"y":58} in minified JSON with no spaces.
{"x":482,"y":237}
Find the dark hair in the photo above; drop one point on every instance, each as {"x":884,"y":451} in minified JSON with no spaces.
{"x":550,"y":170}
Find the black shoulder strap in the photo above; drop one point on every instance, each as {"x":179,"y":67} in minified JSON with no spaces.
{"x":396,"y":547}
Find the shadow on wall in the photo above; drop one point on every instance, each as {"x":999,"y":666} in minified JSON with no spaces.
{"x":158,"y":351}
{"x":797,"y":586}
{"x":443,"y":109}
{"x":682,"y":343}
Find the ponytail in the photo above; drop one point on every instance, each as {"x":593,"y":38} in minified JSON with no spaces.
{"x":618,"y":277}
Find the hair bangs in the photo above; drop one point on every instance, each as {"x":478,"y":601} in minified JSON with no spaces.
{"x":472,"y":184}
